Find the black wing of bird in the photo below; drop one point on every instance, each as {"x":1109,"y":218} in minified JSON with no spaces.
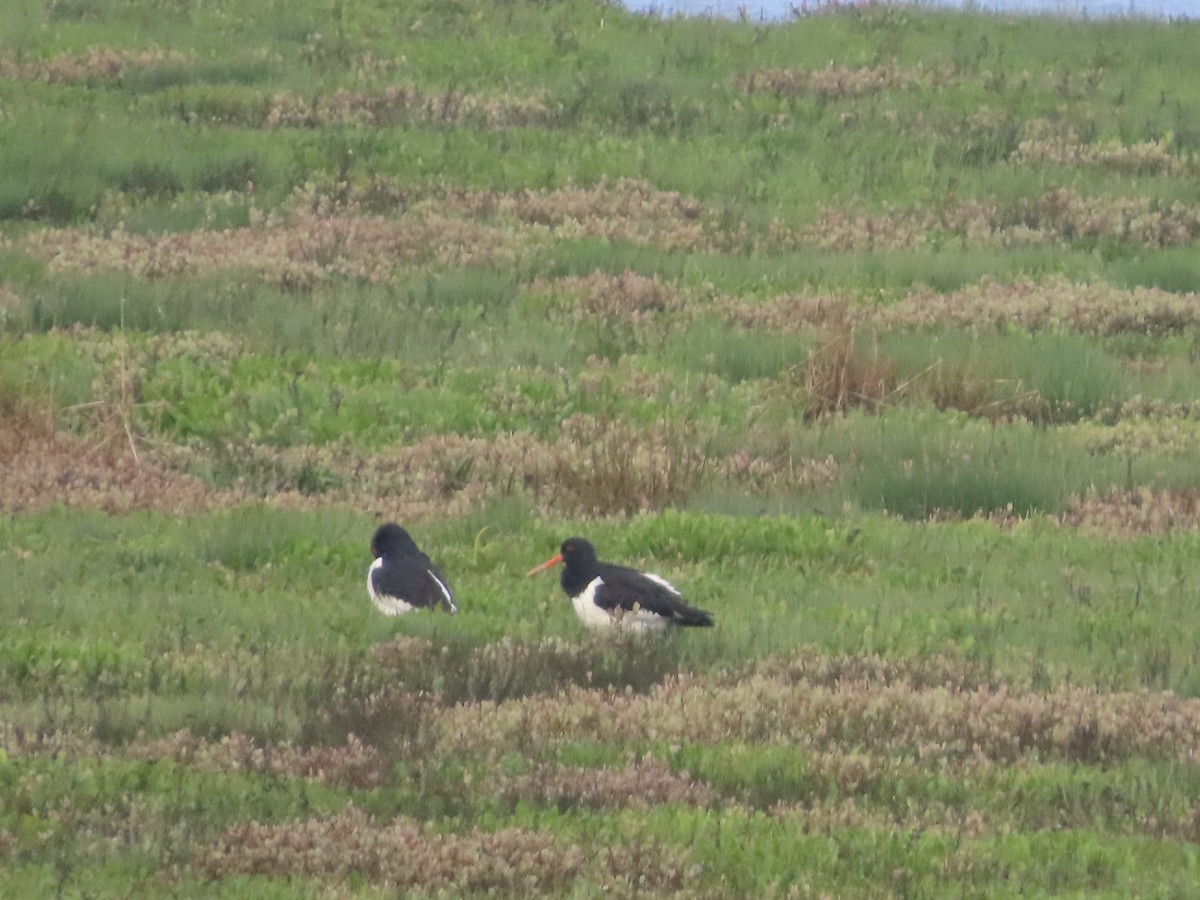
{"x":415,"y":580}
{"x":625,"y":588}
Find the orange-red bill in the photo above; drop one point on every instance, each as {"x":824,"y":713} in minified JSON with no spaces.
{"x":552,"y":561}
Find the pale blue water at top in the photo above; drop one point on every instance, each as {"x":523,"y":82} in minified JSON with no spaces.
{"x":782,"y":10}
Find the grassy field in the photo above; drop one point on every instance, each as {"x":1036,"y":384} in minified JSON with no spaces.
{"x":877,"y":332}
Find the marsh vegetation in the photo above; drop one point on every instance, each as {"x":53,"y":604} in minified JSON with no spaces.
{"x":876,"y":332}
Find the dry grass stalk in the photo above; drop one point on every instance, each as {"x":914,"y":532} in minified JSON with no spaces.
{"x":994,"y":399}
{"x":311,"y":246}
{"x":339,"y":233}
{"x":22,"y":423}
{"x":606,"y":467}
{"x":838,"y":377}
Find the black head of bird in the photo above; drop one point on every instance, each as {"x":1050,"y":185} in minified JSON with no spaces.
{"x":391,"y":540}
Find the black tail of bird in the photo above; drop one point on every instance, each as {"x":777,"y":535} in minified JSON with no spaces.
{"x":689,"y":615}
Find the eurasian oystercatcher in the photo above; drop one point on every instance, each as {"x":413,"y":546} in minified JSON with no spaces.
{"x":402,"y":578}
{"x":605,"y":595}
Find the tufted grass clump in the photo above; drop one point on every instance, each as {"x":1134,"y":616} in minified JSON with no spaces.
{"x":840,"y":375}
{"x":1039,"y":377}
{"x":915,"y":465}
{"x":606,"y":472}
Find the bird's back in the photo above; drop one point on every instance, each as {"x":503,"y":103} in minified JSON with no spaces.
{"x":413,"y":581}
{"x":628,"y":589}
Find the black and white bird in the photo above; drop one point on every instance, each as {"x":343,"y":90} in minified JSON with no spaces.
{"x":402,"y":578}
{"x":610,"y":596}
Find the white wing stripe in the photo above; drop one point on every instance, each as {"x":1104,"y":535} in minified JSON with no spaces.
{"x":444,"y":589}
{"x":371,"y":578}
{"x":658,"y":579}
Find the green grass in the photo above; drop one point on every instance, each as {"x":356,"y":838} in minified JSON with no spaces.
{"x":955,"y":650}
{"x":1072,"y":377}
{"x":141,"y":585}
{"x":151,"y":624}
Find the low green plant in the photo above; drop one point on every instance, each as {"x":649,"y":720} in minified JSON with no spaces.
{"x":1041,"y":377}
{"x":511,"y":272}
{"x":919,"y":464}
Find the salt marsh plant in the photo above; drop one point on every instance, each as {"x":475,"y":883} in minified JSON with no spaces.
{"x":840,"y":375}
{"x":875,"y":332}
{"x":1043,"y":378}
{"x":916,"y":464}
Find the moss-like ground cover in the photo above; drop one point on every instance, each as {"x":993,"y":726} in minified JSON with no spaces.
{"x":876,"y":331}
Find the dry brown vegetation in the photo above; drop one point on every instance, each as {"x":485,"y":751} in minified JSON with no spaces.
{"x":1044,"y":141}
{"x":836,"y":81}
{"x":1136,"y":428}
{"x":852,"y":726}
{"x":44,"y":467}
{"x":630,"y":209}
{"x":1145,"y":510}
{"x":837,"y":376}
{"x":1056,"y":217}
{"x":936,"y":722}
{"x":844,"y":372}
{"x":610,"y":466}
{"x":393,"y":105}
{"x":935,"y":708}
{"x":314,"y":243}
{"x":1043,"y":305}
{"x":403,"y":854}
{"x":590,"y":470}
{"x":408,"y":856}
{"x":94,"y":64}
{"x":642,"y":783}
{"x":109,"y":454}
{"x":336,"y":235}
{"x":342,"y":235}
{"x":627,"y":296}
{"x":400,"y":103}
{"x":353,"y":764}
{"x":860,"y":723}
{"x":19,"y":742}
{"x":1048,"y":304}
{"x":498,"y":671}
{"x":450,"y":474}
